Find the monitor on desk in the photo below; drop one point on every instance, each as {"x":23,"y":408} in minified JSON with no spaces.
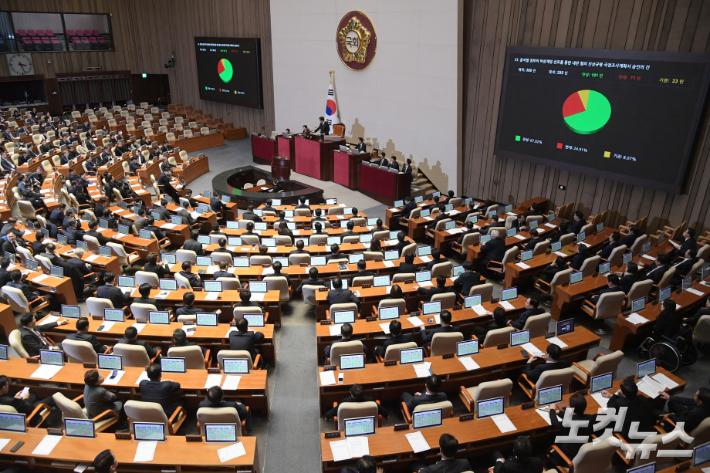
{"x":411,"y":355}
{"x":393,"y":234}
{"x":175,"y":220}
{"x":71,"y":311}
{"x":208,"y":194}
{"x":80,"y":428}
{"x":167,"y":258}
{"x":626,"y":258}
{"x":549,"y":395}
{"x":602,"y":382}
{"x":12,"y":422}
{"x":126,"y":281}
{"x":450,"y":225}
{"x":254,"y":320}
{"x":648,"y":468}
{"x":664,"y":294}
{"x":348,"y":211}
{"x":490,"y":407}
{"x":269,"y":242}
{"x":351,"y":362}
{"x":354,"y":258}
{"x":456,"y":271}
{"x":105,"y":251}
{"x":332,"y":240}
{"x":381,"y":281}
{"x":344,"y":281}
{"x":472,"y":218}
{"x":114,"y":315}
{"x":534,"y":224}
{"x":646,"y":368}
{"x":257,"y":287}
{"x":290,"y":225}
{"x":576,"y":277}
{"x":436,"y":195}
{"x":399,"y":203}
{"x":424,"y":251}
{"x":519,"y":338}
{"x":147,"y":431}
{"x":220,"y":433}
{"x":206,"y":319}
{"x":581,"y":236}
{"x":366,"y":238}
{"x":526,"y":255}
{"x":110,"y":362}
{"x":391,"y":255}
{"x":565,"y":326}
{"x":235,"y":365}
{"x":232,"y":225}
{"x":172,"y":365}
{"x":82,"y":245}
{"x":241,"y":262}
{"x":511,"y":232}
{"x":159,"y":317}
{"x":51,"y":357}
{"x":557,"y":246}
{"x":280,"y":259}
{"x":509,"y":294}
{"x":422,"y":276}
{"x":234,"y":241}
{"x":203,"y":239}
{"x":203,"y":209}
{"x":360,"y":426}
{"x":687,"y":282}
{"x":471,"y":301}
{"x":419,"y":199}
{"x":389,"y":313}
{"x":61,"y":239}
{"x":485,"y":239}
{"x":430,"y":418}
{"x":425,"y":213}
{"x":467,"y":347}
{"x":704,"y":273}
{"x":168,"y":284}
{"x":604,"y":268}
{"x":448,"y":207}
{"x":123,"y":229}
{"x":56,"y":271}
{"x":318,"y":261}
{"x":372,"y":221}
{"x":701,"y":454}
{"x":3,"y":352}
{"x":343,"y":317}
{"x":103,"y":223}
{"x":145,"y":235}
{"x":331,"y":201}
{"x":600,"y":228}
{"x":259,"y":212}
{"x":429,"y":308}
{"x":493,"y":215}
{"x":212,"y":286}
{"x":638,"y":304}
{"x":31,"y":264}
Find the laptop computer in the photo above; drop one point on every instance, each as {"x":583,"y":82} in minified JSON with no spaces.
{"x":565,"y":326}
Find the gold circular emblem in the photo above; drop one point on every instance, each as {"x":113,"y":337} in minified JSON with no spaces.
{"x":356,"y":41}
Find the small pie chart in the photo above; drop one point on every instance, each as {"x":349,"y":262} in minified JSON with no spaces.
{"x":225,"y":71}
{"x":586,"y":111}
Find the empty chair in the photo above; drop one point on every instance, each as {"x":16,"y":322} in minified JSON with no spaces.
{"x":71,"y":409}
{"x":590,"y":265}
{"x":608,"y":305}
{"x":486,"y":390}
{"x":185,"y":255}
{"x":279,"y":283}
{"x":79,"y":352}
{"x":132,"y":355}
{"x":638,"y":290}
{"x":497,"y":336}
{"x":591,"y":458}
{"x":194,"y":360}
{"x":444,"y":342}
{"x":584,"y":370}
{"x":138,"y":411}
{"x":141,"y":311}
{"x":144,"y":277}
{"x":448,"y":299}
{"x":19,"y":302}
{"x":485,"y":290}
{"x":441,"y":269}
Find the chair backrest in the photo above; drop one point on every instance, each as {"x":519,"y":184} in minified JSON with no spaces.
{"x":296,"y":259}
{"x":218,"y":415}
{"x":638,"y":290}
{"x":694,"y":269}
{"x":194,"y":359}
{"x":537,"y":324}
{"x":609,"y":305}
{"x":17,"y":299}
{"x":139,"y":411}
{"x":554,"y":377}
{"x":133,"y":355}
{"x":497,"y":336}
{"x":638,"y":244}
{"x":593,"y":458}
{"x":562,"y":277}
{"x":607,"y":363}
{"x":701,"y":332}
{"x":353,"y":410}
{"x":145,"y":277}
{"x":445,"y":342}
{"x":401,"y":303}
{"x":182,"y":282}
{"x":666,"y":279}
{"x":441,"y":224}
{"x":700,"y":434}
{"x":185,"y":255}
{"x":309,"y":294}
{"x":97,"y":305}
{"x":491,"y":389}
{"x":392,"y":352}
{"x":703,"y":252}
{"x":239,"y":311}
{"x":567,"y":239}
{"x":141,"y":311}
{"x":441,"y":269}
{"x":401,"y":277}
{"x":485,"y":290}
{"x":509,"y":256}
{"x":541,"y":248}
{"x":590,"y":265}
{"x":370,"y":255}
{"x":69,"y":408}
{"x":448,"y":299}
{"x":470,"y":239}
{"x":411,"y":248}
{"x":79,"y":352}
{"x":234,"y":354}
{"x":344,"y":348}
{"x":360,"y":280}
{"x":617,"y":255}
{"x":446,"y":407}
{"x":278,"y":283}
{"x":15,"y":339}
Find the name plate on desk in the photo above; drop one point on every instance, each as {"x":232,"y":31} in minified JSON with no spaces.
{"x":683,"y":466}
{"x":409,"y":281}
{"x":416,"y":313}
{"x":398,"y":427}
{"x":446,"y":356}
{"x":325,"y":322}
{"x":323,"y":289}
{"x":366,"y":286}
{"x":465,"y":417}
{"x":332,"y":435}
{"x":502,"y":346}
{"x":193,"y":438}
{"x":391,"y":363}
{"x":33,"y":361}
{"x":550,"y":335}
{"x":329,"y":368}
{"x":457,"y":307}
{"x":528,"y":405}
{"x":583,"y":392}
{"x":123,"y":436}
{"x":371,"y":319}
{"x":90,"y":366}
{"x":213,"y":370}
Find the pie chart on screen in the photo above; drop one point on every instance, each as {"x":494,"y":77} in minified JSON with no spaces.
{"x":586,"y":111}
{"x":225,"y":71}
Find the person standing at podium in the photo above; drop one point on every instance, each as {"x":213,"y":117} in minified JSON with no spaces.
{"x":323,"y":128}
{"x":361,"y":146}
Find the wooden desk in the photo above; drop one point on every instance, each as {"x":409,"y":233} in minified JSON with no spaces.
{"x":285,"y":147}
{"x":63,"y":288}
{"x":213,"y":338}
{"x":175,"y":454}
{"x":252,"y":387}
{"x":7,"y":320}
{"x":235,"y":133}
{"x":370,"y":333}
{"x":177,"y":235}
{"x":312,"y":156}
{"x":263,"y":149}
{"x":345,"y":168}
{"x":623,"y":329}
{"x":386,"y":383}
{"x":99,"y":264}
{"x":382,"y":185}
{"x":190,"y":172}
{"x":476,"y":437}
{"x":197,"y":143}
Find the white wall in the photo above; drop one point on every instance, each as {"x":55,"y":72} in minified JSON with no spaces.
{"x":408,"y":102}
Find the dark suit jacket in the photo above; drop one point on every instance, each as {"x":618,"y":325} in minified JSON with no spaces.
{"x":692,"y":416}
{"x":158,"y":391}
{"x":98,"y":399}
{"x":637,"y":410}
{"x":102,"y":239}
{"x":629,"y":240}
{"x":430,"y":291}
{"x":339,"y":296}
{"x":427,"y":335}
{"x":31,"y":342}
{"x":157,"y":269}
{"x":684,"y":267}
{"x":114,"y":294}
{"x":334,"y":411}
{"x":606,"y":252}
{"x":360,"y":274}
{"x":656,"y":274}
{"x":466,"y":280}
{"x":251,"y":216}
{"x":245,"y":341}
{"x":401,"y":338}
{"x":534,"y":372}
{"x":431,"y":263}
{"x":513,"y":465}
{"x":494,"y":250}
{"x":626,"y":281}
{"x":310,"y":282}
{"x":454,"y":465}
{"x":579,"y":258}
{"x":407,"y":209}
{"x":195,"y":246}
{"x":688,"y":244}
{"x":147,"y":300}
{"x":191,"y":278}
{"x":522,"y":318}
{"x":533,"y":241}
{"x":571,"y":449}
{"x":407,"y":268}
{"x":4,"y":277}
{"x":577,"y":226}
{"x":150,"y":350}
{"x":425,"y":398}
{"x":87,"y":337}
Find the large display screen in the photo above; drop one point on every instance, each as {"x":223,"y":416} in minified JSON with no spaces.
{"x":229,"y":70}
{"x":629,"y":116}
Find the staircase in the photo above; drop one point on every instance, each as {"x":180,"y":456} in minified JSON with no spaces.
{"x":421,"y":185}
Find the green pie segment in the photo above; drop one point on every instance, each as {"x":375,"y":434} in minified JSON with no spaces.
{"x":586,"y":111}
{"x":225,"y":71}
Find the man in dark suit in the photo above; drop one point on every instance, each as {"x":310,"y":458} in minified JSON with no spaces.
{"x":655,"y":273}
{"x":582,"y":255}
{"x":431,"y":394}
{"x":614,"y":240}
{"x":98,"y":399}
{"x":521,"y":461}
{"x":446,"y":327}
{"x":11,"y":243}
{"x":396,"y":337}
{"x":551,"y":362}
{"x":530,"y":245}
{"x":269,"y":208}
{"x":629,"y":277}
{"x":192,"y":278}
{"x":493,"y":250}
{"x":57,"y":215}
{"x":5,"y":275}
{"x":193,"y":245}
{"x":338,"y":295}
{"x":448,"y":446}
{"x":612,"y":285}
{"x":393,"y":163}
{"x":578,"y":404}
{"x":154,"y":389}
{"x":82,"y":335}
{"x":111,"y":292}
{"x":691,"y":411}
{"x":312,"y":280}
{"x":630,"y":239}
{"x":383,"y":160}
{"x":250,"y":215}
{"x":215,"y":399}
{"x":688,"y":243}
{"x":162,"y":209}
{"x":334,"y":253}
{"x":637,"y":407}
{"x":407,"y":167}
{"x":144,"y":291}
{"x":578,"y":222}
{"x":440,"y":287}
{"x":350,"y":227}
{"x":361,"y":272}
{"x":93,"y":231}
{"x":361,"y":146}
{"x":245,"y":296}
{"x":24,"y":403}
{"x":323,"y":128}
{"x":18,"y":282}
{"x":435,"y":259}
{"x":500,"y":320}
{"x":188,"y":308}
{"x":531,"y":308}
{"x":33,"y":340}
{"x":346,"y":331}
{"x":299,"y":249}
{"x":365,"y":464}
{"x":357,"y":394}
{"x":222,"y":271}
{"x":408,"y":266}
{"x":409,"y":205}
{"x":441,"y":216}
{"x":244,"y":339}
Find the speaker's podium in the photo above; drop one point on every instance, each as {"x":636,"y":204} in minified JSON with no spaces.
{"x":385,"y":185}
{"x":312,"y":155}
{"x":263,"y":148}
{"x":345,"y":166}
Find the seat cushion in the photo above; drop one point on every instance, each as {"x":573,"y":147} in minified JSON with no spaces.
{"x":587,"y":365}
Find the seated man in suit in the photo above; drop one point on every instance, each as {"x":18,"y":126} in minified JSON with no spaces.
{"x":23,"y":402}
{"x":245,"y":296}
{"x":338,"y":295}
{"x":431,"y":394}
{"x":312,"y":280}
{"x":365,"y":464}
{"x":578,"y":403}
{"x":500,"y":320}
{"x":144,"y":291}
{"x":111,"y":292}
{"x":656,"y":272}
{"x":521,"y":461}
{"x":629,"y":277}
{"x":192,"y":278}
{"x":130,"y":337}
{"x":193,"y":245}
{"x":637,"y":407}
{"x":222,"y":271}
{"x":98,"y":399}
{"x":691,"y":411}
{"x":683,"y":267}
{"x":334,"y":253}
{"x":408,"y":266}
{"x":11,"y":243}
{"x":396,"y":337}
{"x":223,"y":248}
{"x":492,"y":250}
{"x":276,"y":266}
{"x":440,"y":287}
{"x":466,"y":280}
{"x":409,"y":205}
{"x":448,"y":446}
{"x":346,"y":331}
{"x":440,"y":216}
{"x":612,"y":285}
{"x":82,"y":335}
{"x":614,"y":240}
{"x":519,"y":223}
{"x":361,"y":272}
{"x":630,"y":239}
{"x":446,"y":327}
{"x":530,"y":245}
{"x":357,"y":394}
{"x":317,"y":217}
{"x":152,"y":266}
{"x":578,"y":222}
{"x":361,"y":146}
{"x":250,"y":215}
{"x":435,"y":259}
{"x":269,"y":208}
{"x":19,"y":282}
{"x":215,"y":398}
{"x":33,"y":340}
{"x":531,"y":308}
{"x":244,"y":339}
{"x":383,"y":160}
{"x":5,"y":275}
{"x":688,"y":243}
{"x":57,"y":215}
{"x":350,"y":227}
{"x":582,"y":255}
{"x":154,"y":389}
{"x":393,"y":163}
{"x":552,"y":362}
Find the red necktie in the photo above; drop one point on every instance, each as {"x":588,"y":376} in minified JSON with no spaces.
{"x":42,"y":337}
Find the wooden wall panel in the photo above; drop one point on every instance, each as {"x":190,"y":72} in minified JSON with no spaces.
{"x":656,"y":25}
{"x":147,"y":33}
